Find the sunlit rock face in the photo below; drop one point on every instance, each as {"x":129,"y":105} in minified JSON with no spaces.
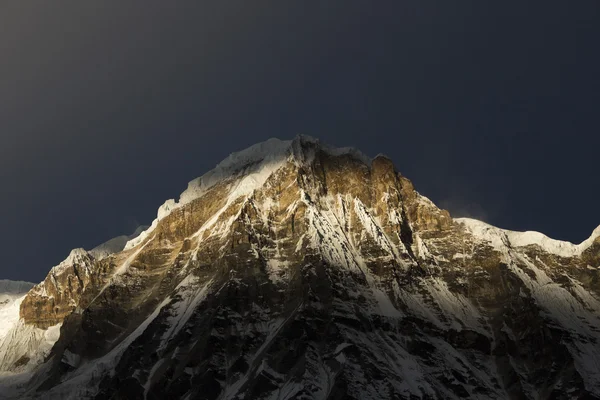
{"x":299,"y":271}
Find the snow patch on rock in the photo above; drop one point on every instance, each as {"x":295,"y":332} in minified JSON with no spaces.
{"x":9,"y":312}
{"x":255,"y":164}
{"x":24,"y":346}
{"x":12,"y":294}
{"x":115,"y":245}
{"x":84,"y":381}
{"x":502,"y":238}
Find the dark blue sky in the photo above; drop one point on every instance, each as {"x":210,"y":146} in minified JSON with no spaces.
{"x":107,"y":110}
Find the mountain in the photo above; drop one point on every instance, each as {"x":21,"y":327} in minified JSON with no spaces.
{"x":295,"y":270}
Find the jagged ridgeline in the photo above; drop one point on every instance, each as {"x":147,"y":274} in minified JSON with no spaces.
{"x":294,"y":270}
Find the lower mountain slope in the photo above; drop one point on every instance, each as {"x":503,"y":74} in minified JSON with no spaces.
{"x":299,"y":271}
{"x":11,"y":294}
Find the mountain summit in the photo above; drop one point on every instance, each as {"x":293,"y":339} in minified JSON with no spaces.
{"x":295,"y":270}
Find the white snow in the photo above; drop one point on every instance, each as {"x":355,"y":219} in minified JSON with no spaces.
{"x":142,"y":236}
{"x":70,"y":359}
{"x":272,"y":151}
{"x":455,"y":307}
{"x":373,"y":227}
{"x":76,"y":256}
{"x":115,"y":245}
{"x":84,"y":381}
{"x":120,"y":270}
{"x":24,"y":340}
{"x":232,"y":388}
{"x":348,"y":151}
{"x":326,"y":233}
{"x":9,"y":313}
{"x":112,"y":246}
{"x":277,"y":269}
{"x":502,"y":238}
{"x":557,"y":302}
{"x":570,"y":307}
{"x":385,"y":305}
{"x":422,"y":250}
{"x":12,"y":294}
{"x":574,"y":310}
{"x":192,"y":293}
{"x":255,"y":164}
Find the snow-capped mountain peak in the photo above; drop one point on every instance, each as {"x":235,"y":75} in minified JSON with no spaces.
{"x":295,"y":270}
{"x":255,"y":163}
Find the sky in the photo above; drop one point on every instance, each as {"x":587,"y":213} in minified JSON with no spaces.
{"x":108,"y":109}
